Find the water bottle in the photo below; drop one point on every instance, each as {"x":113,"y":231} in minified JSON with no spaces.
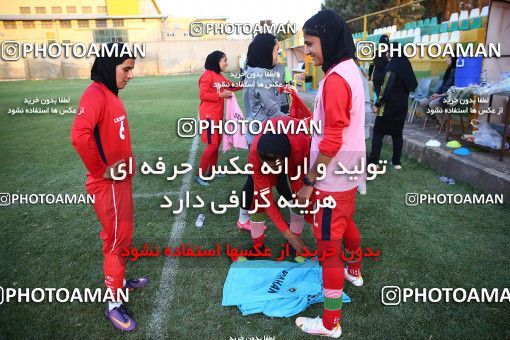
{"x":443,"y":179}
{"x":200,"y":221}
{"x":484,"y":78}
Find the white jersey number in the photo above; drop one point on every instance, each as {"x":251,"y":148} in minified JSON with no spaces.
{"x":121,"y":131}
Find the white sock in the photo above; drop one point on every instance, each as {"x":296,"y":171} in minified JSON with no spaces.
{"x":113,"y":304}
{"x":244,"y":216}
{"x":297,"y":222}
{"x":257,"y":229}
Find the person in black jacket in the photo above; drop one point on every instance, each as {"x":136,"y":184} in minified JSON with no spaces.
{"x":378,"y":68}
{"x":436,"y":99}
{"x":392,"y":105}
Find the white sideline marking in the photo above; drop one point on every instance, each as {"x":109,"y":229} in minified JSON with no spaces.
{"x":154,"y":194}
{"x":165,"y":293}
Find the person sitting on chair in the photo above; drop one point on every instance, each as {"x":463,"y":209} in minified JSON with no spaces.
{"x":437,"y":98}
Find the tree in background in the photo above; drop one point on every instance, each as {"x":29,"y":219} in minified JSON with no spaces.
{"x":284,"y":35}
{"x":349,"y":9}
{"x":441,"y":9}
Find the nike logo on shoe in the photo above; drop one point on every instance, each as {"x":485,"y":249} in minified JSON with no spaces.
{"x":122,"y":324}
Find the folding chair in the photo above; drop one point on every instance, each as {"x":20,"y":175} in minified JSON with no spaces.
{"x":421,"y":92}
{"x":435,"y":87}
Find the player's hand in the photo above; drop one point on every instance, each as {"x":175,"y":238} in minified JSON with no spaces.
{"x":295,"y":241}
{"x":226,"y":94}
{"x":304,"y":193}
{"x":113,"y":168}
{"x":289,"y":89}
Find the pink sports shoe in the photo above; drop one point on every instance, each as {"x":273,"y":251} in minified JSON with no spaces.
{"x":246,"y":226}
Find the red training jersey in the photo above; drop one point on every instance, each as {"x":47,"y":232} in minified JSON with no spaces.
{"x":300,"y":154}
{"x":100,"y":132}
{"x":211,"y":104}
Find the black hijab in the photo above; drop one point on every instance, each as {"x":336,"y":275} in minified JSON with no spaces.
{"x":273,"y":146}
{"x":212,"y":62}
{"x":450,"y":68}
{"x":401,"y":66}
{"x":380,"y":62}
{"x":384,"y":39}
{"x":335,"y":36}
{"x":104,"y":67}
{"x":260,"y":51}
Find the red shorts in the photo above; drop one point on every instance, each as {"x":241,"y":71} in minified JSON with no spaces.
{"x":330,"y":224}
{"x":209,"y":136}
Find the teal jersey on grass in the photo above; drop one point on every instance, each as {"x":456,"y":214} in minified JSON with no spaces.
{"x":275,"y":288}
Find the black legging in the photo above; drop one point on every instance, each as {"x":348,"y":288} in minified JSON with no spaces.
{"x":282,"y":186}
{"x":377,"y":139}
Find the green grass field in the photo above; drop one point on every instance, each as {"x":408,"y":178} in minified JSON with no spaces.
{"x":58,"y":245}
